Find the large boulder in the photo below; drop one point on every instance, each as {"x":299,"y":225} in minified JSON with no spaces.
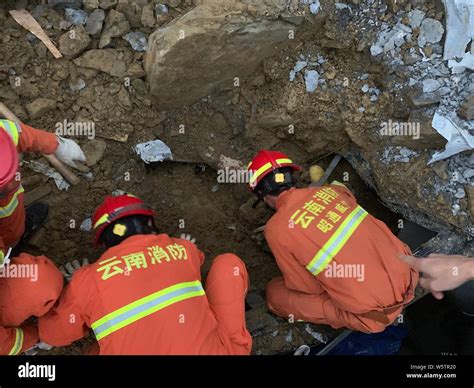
{"x":212,"y":44}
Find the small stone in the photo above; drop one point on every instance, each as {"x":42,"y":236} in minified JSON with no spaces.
{"x":415,"y":18}
{"x":137,"y":39}
{"x":428,"y":51}
{"x":424,"y":99}
{"x":173,"y":3}
{"x":94,"y":151}
{"x":116,"y":24}
{"x":148,"y":18}
{"x":77,"y":85}
{"x":365,"y":88}
{"x":161,"y":10}
{"x":95,"y":22}
{"x":74,"y":42}
{"x":430,"y":85}
{"x":469,"y":173}
{"x":311,"y":80}
{"x":39,"y":107}
{"x":466,"y":111}
{"x":91,"y":5}
{"x":460,"y":193}
{"x":107,"y":4}
{"x":470,"y":197}
{"x":314,"y":7}
{"x":86,"y":225}
{"x":431,"y":31}
{"x":76,"y":16}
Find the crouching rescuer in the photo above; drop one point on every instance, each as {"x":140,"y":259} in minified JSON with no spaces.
{"x":144,"y":295}
{"x":340,"y":265}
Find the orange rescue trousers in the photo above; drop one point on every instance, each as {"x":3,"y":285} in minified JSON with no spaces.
{"x":29,"y":286}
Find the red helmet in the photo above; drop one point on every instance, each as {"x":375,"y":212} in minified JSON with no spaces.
{"x":8,"y":158}
{"x":265,"y":162}
{"x":115,"y":208}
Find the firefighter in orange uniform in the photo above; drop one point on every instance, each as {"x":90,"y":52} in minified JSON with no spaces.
{"x":340,"y":265}
{"x":29,"y":285}
{"x":144,"y":294}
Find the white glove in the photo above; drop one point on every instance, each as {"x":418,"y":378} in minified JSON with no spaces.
{"x":69,"y":152}
{"x":70,"y":267}
{"x":188,"y":237}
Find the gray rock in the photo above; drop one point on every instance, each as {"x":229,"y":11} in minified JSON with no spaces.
{"x":39,"y":107}
{"x":415,"y":18}
{"x":466,"y":110}
{"x":172,"y":3}
{"x":116,"y":24}
{"x":77,"y":85}
{"x":94,"y":151}
{"x":430,"y":85}
{"x":137,"y":40}
{"x":222,"y":44}
{"x":74,"y":42}
{"x":95,"y":22}
{"x":431,"y":31}
{"x":161,"y":10}
{"x":65,"y":3}
{"x":76,"y":16}
{"x":311,"y":79}
{"x":460,"y":193}
{"x":107,"y":4}
{"x":91,"y":5}
{"x":469,"y":173}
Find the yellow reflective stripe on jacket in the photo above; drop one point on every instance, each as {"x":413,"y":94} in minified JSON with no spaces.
{"x":146,"y":306}
{"x":12,"y":129}
{"x":335,"y":243}
{"x":18,"y":345}
{"x":8,"y":210}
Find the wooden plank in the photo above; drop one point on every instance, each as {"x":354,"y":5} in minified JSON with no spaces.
{"x":24,"y":19}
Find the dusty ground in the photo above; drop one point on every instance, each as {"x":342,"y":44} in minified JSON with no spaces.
{"x":233,"y":122}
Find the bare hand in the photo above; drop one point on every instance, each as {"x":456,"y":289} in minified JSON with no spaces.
{"x":442,"y":272}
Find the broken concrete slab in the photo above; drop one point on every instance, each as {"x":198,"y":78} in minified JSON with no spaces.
{"x":214,"y":40}
{"x":116,"y":24}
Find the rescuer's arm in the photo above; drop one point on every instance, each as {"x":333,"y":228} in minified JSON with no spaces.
{"x":65,"y":323}
{"x":37,"y":140}
{"x":16,"y":340}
